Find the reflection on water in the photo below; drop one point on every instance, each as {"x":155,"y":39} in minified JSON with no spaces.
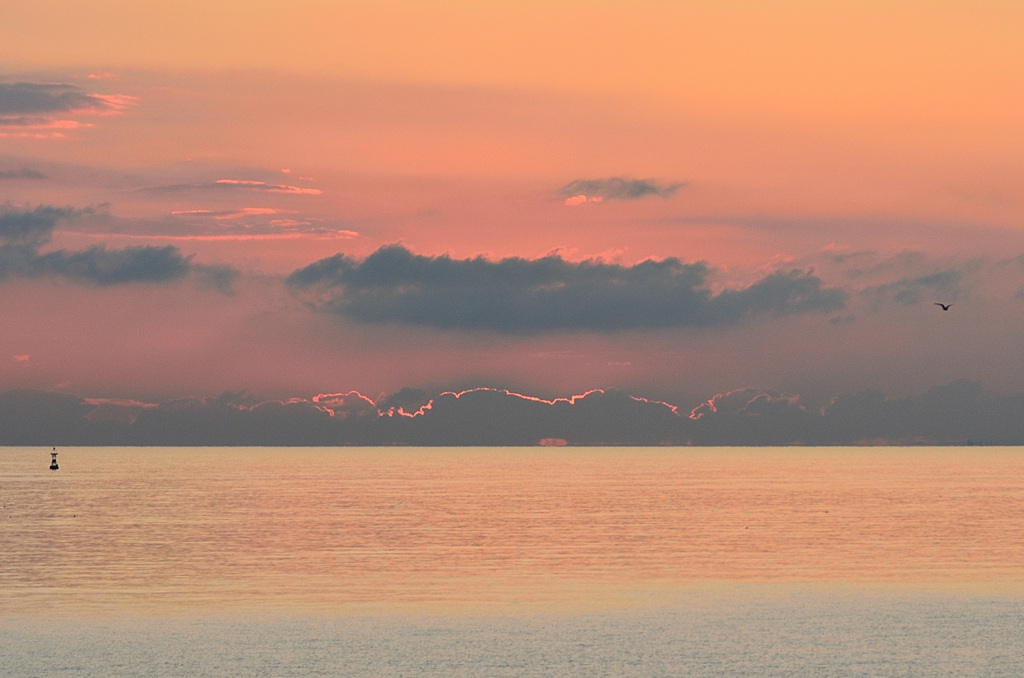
{"x":151,"y":529}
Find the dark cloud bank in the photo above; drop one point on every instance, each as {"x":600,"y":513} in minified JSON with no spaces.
{"x":518,"y":295}
{"x":956,"y":414}
{"x":23,"y":233}
{"x":23,"y":173}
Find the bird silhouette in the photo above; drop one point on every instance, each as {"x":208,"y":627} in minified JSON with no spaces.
{"x":945,"y":307}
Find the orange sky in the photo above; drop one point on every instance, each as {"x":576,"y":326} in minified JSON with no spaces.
{"x":843,"y":58}
{"x":876,"y":146}
{"x":908,"y":107}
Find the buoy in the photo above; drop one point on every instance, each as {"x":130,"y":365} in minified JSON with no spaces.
{"x":53,"y":460}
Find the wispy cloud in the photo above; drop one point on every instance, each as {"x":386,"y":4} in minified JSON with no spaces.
{"x":28,"y":108}
{"x":518,"y":295}
{"x":228,"y":215}
{"x":250,"y":224}
{"x":615,"y":188}
{"x":237,"y":185}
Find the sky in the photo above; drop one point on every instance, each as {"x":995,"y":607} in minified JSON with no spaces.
{"x":525,"y":220}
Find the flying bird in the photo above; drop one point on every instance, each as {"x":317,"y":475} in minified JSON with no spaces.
{"x":945,"y":307}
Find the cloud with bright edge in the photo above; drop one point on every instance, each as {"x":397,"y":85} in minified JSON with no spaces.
{"x":956,"y":413}
{"x":526,"y":296}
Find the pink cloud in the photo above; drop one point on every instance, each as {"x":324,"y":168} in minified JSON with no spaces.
{"x":247,"y":212}
{"x":294,"y":223}
{"x":120,"y":402}
{"x":35,"y":127}
{"x":36,"y":122}
{"x":582,"y":200}
{"x":228,"y":214}
{"x":108,"y":104}
{"x":270,"y":188}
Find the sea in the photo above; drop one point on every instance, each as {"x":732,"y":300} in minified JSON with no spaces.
{"x":609,"y":561}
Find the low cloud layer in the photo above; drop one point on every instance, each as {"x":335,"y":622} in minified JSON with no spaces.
{"x":958,"y":413}
{"x":24,"y":232}
{"x":518,"y":295}
{"x":23,"y":173}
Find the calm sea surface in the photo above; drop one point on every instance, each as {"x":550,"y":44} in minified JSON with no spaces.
{"x":512,"y":562}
